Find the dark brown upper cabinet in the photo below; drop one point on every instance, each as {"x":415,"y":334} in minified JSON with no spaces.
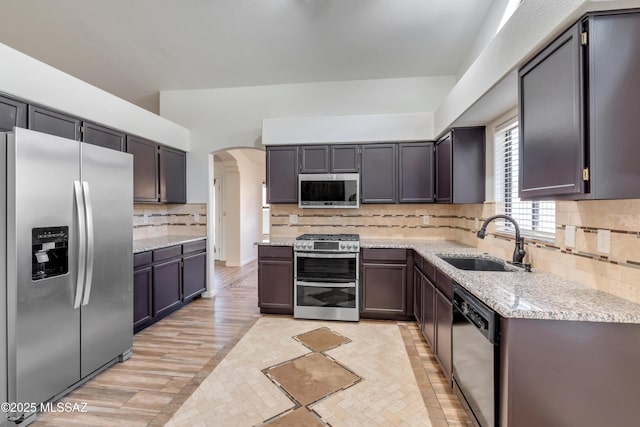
{"x":329,"y":158}
{"x":416,"y":172}
{"x":102,"y":136}
{"x":379,"y":173}
{"x":12,"y":113}
{"x":578,"y":104}
{"x":54,"y":123}
{"x":159,"y":173}
{"x":173,"y":170}
{"x":345,"y":158}
{"x":314,"y":159}
{"x":460,"y":166}
{"x":282,"y":174}
{"x":145,"y":169}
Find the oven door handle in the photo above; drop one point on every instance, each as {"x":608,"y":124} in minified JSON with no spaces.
{"x":325,"y":255}
{"x":326,"y":284}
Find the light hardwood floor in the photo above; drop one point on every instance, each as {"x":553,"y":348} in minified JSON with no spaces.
{"x":172,"y":357}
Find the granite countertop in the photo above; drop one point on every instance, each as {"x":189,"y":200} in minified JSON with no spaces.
{"x":142,"y":245}
{"x":516,"y":294}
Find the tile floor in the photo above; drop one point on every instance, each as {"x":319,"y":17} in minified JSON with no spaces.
{"x":174,"y":358}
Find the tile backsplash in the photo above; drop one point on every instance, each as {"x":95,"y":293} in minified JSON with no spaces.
{"x":616,"y":272}
{"x":177,"y":220}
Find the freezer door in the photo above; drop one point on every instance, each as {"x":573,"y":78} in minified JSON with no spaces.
{"x":107,"y":307}
{"x":43,"y":327}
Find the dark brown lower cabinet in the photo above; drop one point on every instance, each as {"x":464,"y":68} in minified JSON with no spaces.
{"x":386,"y":283}
{"x":428,"y":326}
{"x":194,"y":275}
{"x":568,"y":373}
{"x":166,"y":287}
{"x":417,"y":295}
{"x":444,"y":325}
{"x":384,"y":288}
{"x":165,"y":279}
{"x":142,"y":302}
{"x":275,"y":279}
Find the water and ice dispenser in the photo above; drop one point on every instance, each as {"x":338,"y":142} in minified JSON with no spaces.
{"x":50,"y":252}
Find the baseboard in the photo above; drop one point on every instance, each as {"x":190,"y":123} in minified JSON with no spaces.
{"x":241,"y":263}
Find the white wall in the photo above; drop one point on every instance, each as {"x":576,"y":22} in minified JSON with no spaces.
{"x":531,"y":27}
{"x":243,"y":172}
{"x":232,"y":117}
{"x":485,"y":35}
{"x":29,"y":79}
{"x":348,"y":129}
{"x":252,"y":175}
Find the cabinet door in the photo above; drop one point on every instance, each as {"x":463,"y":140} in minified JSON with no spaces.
{"x":142,"y":296}
{"x":275,"y":285}
{"x":468,"y":176}
{"x":417,"y":295}
{"x":12,"y":113}
{"x":384,"y":288}
{"x":314,"y":158}
{"x":53,"y":123}
{"x":173,"y":176}
{"x":444,"y":325}
{"x":444,"y":170}
{"x":145,"y":169}
{"x":345,"y":158}
{"x":429,"y":312}
{"x":282,"y":174}
{"x":416,"y":172}
{"x":103,"y":137}
{"x":551,"y":120}
{"x":166,"y":287}
{"x":379,"y":173}
{"x":194,"y":275}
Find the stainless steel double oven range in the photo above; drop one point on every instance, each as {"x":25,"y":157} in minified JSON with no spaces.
{"x":326,"y":276}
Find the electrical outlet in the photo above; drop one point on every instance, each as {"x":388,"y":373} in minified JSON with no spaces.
{"x":145,"y":218}
{"x":196,"y":217}
{"x":476,"y":223}
{"x":604,"y":241}
{"x":570,"y":236}
{"x":425,"y":219}
{"x":293,"y":219}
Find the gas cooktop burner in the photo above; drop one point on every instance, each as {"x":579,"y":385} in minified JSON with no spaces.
{"x":330,"y":237}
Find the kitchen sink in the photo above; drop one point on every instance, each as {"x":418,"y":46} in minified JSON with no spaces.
{"x":476,"y":263}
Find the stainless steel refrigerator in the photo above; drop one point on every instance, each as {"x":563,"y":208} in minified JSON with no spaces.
{"x":66,"y":215}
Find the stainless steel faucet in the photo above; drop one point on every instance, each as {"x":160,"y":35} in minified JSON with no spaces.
{"x":519,"y":252}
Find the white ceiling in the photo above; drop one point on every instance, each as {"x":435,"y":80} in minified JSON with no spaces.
{"x":134,"y":49}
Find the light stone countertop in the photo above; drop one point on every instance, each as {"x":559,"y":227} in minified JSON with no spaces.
{"x":516,"y":294}
{"x":148,"y":244}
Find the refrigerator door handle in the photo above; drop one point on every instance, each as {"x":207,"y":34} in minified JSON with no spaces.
{"x":82,"y":243}
{"x":90,"y":242}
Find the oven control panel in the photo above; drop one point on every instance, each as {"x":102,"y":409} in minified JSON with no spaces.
{"x":326,"y":246}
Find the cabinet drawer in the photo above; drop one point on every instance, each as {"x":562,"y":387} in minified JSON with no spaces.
{"x":444,"y":283}
{"x":141,"y":259}
{"x":384,"y":255}
{"x":418,"y":261}
{"x":429,"y":270}
{"x":166,"y":253}
{"x":197,"y":246}
{"x":284,"y":252}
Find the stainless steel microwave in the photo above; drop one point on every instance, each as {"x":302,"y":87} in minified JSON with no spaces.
{"x":329,"y":190}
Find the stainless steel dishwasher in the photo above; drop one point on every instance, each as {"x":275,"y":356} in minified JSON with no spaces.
{"x":476,"y":353}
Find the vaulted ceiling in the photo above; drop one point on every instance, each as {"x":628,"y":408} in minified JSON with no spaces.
{"x":136,"y":48}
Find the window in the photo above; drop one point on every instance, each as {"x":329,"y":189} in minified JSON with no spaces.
{"x":536,"y":219}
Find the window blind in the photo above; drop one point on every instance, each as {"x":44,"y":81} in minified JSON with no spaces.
{"x":534,"y":218}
